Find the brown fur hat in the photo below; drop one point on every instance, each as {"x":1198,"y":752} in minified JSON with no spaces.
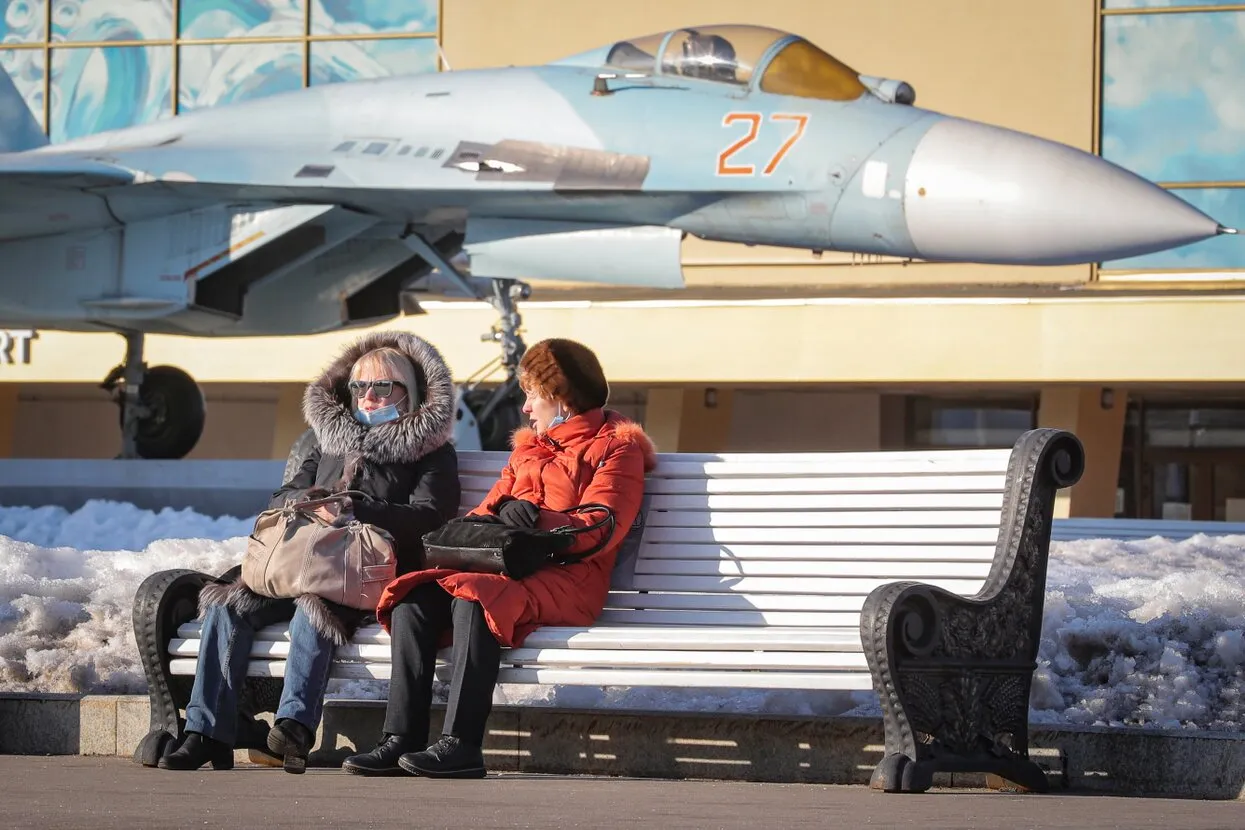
{"x":565,"y":371}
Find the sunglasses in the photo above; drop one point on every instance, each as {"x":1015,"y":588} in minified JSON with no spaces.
{"x":384,"y":388}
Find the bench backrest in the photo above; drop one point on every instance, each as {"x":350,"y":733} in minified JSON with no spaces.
{"x":748,"y":539}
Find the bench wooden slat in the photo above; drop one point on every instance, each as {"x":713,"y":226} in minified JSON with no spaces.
{"x":814,"y":680}
{"x":891,"y":571}
{"x":683,"y":465}
{"x":821,"y":553}
{"x":719,"y":638}
{"x":819,"y":680}
{"x":642,"y":603}
{"x":881,"y":465}
{"x":607,"y":658}
{"x":275,"y":640}
{"x":824,"y":535}
{"x":791,"y":502}
{"x":490,"y":461}
{"x":718,"y":601}
{"x":672,"y":659}
{"x":777,"y":585}
{"x":836,"y":499}
{"x":872,"y":520}
{"x":847,"y":620}
{"x":808,"y":483}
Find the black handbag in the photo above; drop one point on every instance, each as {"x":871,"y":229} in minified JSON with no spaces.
{"x":483,"y":544}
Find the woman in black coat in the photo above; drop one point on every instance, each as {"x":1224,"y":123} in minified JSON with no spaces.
{"x":382,"y":414}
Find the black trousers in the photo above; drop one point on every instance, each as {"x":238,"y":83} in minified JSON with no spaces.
{"x":415,"y":628}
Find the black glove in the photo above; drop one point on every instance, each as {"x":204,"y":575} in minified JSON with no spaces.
{"x":519,"y":513}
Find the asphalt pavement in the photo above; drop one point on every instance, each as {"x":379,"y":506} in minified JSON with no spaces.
{"x":71,"y":791}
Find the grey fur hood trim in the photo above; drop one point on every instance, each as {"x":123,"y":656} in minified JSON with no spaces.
{"x":245,"y":601}
{"x":327,"y":405}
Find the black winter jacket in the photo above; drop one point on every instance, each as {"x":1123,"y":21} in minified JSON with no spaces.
{"x":407,"y":470}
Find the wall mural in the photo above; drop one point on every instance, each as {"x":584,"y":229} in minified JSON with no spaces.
{"x":1173,"y":111}
{"x":94,"y":88}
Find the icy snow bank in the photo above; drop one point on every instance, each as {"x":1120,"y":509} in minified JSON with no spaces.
{"x":1149,"y":632}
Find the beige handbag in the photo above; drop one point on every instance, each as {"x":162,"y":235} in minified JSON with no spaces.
{"x":292,"y":551}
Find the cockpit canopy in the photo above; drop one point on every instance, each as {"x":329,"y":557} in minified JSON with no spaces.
{"x":745,"y":56}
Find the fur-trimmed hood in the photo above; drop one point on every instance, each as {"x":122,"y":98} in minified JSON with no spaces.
{"x":327,"y":406}
{"x":328,"y":409}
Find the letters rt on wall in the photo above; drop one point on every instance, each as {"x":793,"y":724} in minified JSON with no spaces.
{"x":15,"y":346}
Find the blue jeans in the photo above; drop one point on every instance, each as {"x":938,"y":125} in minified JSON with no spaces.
{"x":224,"y":651}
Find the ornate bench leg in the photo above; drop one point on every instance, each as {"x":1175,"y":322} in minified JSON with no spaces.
{"x":163,"y":602}
{"x":953,"y":674}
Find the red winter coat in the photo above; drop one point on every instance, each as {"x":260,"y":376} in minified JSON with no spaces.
{"x":596,"y":457}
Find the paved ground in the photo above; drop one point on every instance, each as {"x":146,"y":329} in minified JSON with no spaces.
{"x":105,"y":793}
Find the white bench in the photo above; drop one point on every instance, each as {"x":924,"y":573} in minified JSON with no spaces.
{"x":744,"y":570}
{"x":750,"y":570}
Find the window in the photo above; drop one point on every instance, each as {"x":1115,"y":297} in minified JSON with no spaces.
{"x":153,"y":59}
{"x":1194,"y":428}
{"x":947,"y":423}
{"x":803,"y":70}
{"x":1171,"y":93}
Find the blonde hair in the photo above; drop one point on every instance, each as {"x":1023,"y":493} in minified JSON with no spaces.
{"x":388,"y":362}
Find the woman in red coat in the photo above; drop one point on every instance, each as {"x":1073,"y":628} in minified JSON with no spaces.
{"x":576,"y":452}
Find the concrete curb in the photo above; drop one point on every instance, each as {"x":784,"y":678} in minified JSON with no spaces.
{"x":1113,"y":761}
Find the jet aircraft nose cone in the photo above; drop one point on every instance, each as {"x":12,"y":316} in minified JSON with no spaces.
{"x":980,"y":193}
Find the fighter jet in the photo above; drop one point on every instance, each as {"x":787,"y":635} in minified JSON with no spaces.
{"x":310,"y":211}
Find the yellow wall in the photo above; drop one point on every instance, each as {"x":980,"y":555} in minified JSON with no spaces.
{"x":1025,"y":65}
{"x":1031,"y":342}
{"x":58,"y":420}
{"x":1098,"y":420}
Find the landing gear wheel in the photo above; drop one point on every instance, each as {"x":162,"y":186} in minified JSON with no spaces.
{"x":496,"y":429}
{"x":175,"y":415}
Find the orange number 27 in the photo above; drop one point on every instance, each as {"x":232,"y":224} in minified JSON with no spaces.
{"x":753,"y":119}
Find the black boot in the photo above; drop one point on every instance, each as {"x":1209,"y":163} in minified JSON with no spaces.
{"x":447,"y":758}
{"x":383,"y":760}
{"x":292,"y":741}
{"x":196,"y":751}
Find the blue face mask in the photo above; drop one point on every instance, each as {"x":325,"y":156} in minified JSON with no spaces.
{"x":560,"y":418}
{"x":377,"y":416}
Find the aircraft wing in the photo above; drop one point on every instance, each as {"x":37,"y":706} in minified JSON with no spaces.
{"x":46,"y":171}
{"x":47,"y":192}
{"x":220,"y":240}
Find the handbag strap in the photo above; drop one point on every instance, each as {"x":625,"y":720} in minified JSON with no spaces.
{"x":571,"y":558}
{"x":308,"y":506}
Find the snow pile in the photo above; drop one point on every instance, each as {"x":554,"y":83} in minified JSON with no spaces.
{"x":1135,"y":633}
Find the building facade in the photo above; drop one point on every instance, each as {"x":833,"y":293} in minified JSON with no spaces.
{"x":765,"y":349}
